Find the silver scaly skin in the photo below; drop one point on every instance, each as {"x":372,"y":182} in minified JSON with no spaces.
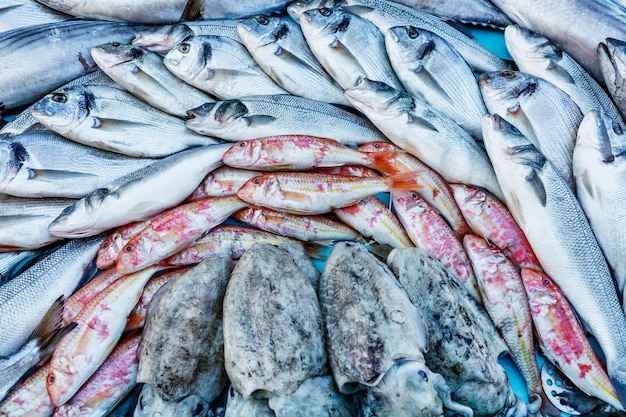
{"x":612,"y":55}
{"x":476,"y":12}
{"x":15,"y":14}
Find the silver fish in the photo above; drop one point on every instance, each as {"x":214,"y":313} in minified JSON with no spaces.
{"x":386,"y":14}
{"x":348,"y":46}
{"x":143,"y":74}
{"x":431,"y":69}
{"x":561,"y":237}
{"x":54,"y":54}
{"x":140,"y":194}
{"x":111,"y":119}
{"x":25,"y":299}
{"x":277,"y":44}
{"x":219,"y":9}
{"x":576,"y":26}
{"x":42,"y":163}
{"x":612,"y":55}
{"x":260,"y":116}
{"x":15,"y":14}
{"x":425,"y":133}
{"x":219,"y":66}
{"x":149,"y":404}
{"x":600,"y":171}
{"x":163,"y":39}
{"x":536,"y":55}
{"x":236,"y":406}
{"x":11,"y":263}
{"x":16,"y":212}
{"x":476,"y":12}
{"x":545,"y":114}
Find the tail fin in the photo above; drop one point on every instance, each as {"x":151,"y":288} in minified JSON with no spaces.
{"x":49,"y":332}
{"x":406,"y":181}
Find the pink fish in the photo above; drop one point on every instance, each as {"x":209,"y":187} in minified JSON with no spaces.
{"x":222,"y":182}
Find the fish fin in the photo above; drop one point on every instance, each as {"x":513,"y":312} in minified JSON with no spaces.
{"x":193,"y":10}
{"x":318,"y":249}
{"x":259,"y":120}
{"x":49,"y":331}
{"x":358,"y":9}
{"x":418,"y":121}
{"x":537,"y":185}
{"x":431,"y":81}
{"x":54,"y":175}
{"x":114,"y":124}
{"x":287,"y":55}
{"x":587,"y":184}
{"x":347,"y":55}
{"x":384,"y":161}
{"x":556,"y":68}
{"x":405,"y":181}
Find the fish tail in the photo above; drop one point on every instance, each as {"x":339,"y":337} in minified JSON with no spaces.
{"x":406,"y":181}
{"x":384,"y":161}
{"x":319,"y":249}
{"x":193,"y":10}
{"x":50,"y":331}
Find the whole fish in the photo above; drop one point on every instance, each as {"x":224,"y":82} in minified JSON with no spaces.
{"x":562,"y":339}
{"x":15,"y":14}
{"x":42,"y":163}
{"x":273,"y":332}
{"x":260,"y":116}
{"x":116,"y":241}
{"x":424,"y":133}
{"x":347,"y":46}
{"x":431,"y":69}
{"x":429,"y":231}
{"x":612,"y":56}
{"x":475,"y":12}
{"x":536,"y":55}
{"x":576,"y":26}
{"x":277,"y":44}
{"x":150,"y":404}
{"x":174,"y":230}
{"x":15,"y":212}
{"x":140,"y":194}
{"x":386,"y":14}
{"x":210,"y":63}
{"x":162,"y":39}
{"x":600,"y":172}
{"x":561,"y":237}
{"x":545,"y":114}
{"x":113,"y":120}
{"x":236,"y":406}
{"x":312,"y":193}
{"x":300,"y":153}
{"x":30,"y":398}
{"x":222,"y":182}
{"x":109,"y":385}
{"x":182,"y":346}
{"x":25,"y":299}
{"x":144,"y":75}
{"x":56,"y":54}
{"x":100,"y":325}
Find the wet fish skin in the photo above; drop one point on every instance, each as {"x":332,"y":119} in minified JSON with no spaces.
{"x":143,"y":74}
{"x":532,"y":185}
{"x":115,"y":242}
{"x":16,"y":14}
{"x":612,"y":56}
{"x":150,"y":404}
{"x":221,"y":182}
{"x":600,"y":172}
{"x":210,"y":62}
{"x":30,"y":398}
{"x":261,"y":116}
{"x":216,"y":9}
{"x":140,"y":194}
{"x":277,"y":44}
{"x":113,"y":120}
{"x":11,"y":261}
{"x":474,"y":12}
{"x":52,"y":276}
{"x":348,"y":46}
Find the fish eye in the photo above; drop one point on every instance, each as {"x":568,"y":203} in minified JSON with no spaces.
{"x":546,"y":282}
{"x":242,"y":145}
{"x":423,"y":375}
{"x":257,"y":180}
{"x":412,"y":32}
{"x":184,"y":48}
{"x":377,"y":145}
{"x":59,"y":98}
{"x":324,"y":11}
{"x":262,"y":20}
{"x":199,"y":409}
{"x":509,"y":75}
{"x":105,"y":244}
{"x":414,"y":196}
{"x":51,"y":379}
{"x":128,"y":248}
{"x":116,"y":44}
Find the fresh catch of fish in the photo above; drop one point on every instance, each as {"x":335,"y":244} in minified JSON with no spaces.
{"x":343,"y":208}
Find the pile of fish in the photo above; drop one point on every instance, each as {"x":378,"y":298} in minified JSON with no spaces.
{"x":170,"y":170}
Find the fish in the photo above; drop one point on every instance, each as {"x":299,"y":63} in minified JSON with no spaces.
{"x":139,"y":195}
{"x":210,"y":63}
{"x":612,"y":62}
{"x":386,"y":14}
{"x":536,"y":55}
{"x":300,"y":153}
{"x":15,"y":14}
{"x":348,"y":46}
{"x":13,"y":262}
{"x":600,"y":172}
{"x":491,"y":220}
{"x":113,"y":120}
{"x":115,"y":242}
{"x":162,"y":39}
{"x":222,"y":181}
{"x":430,"y":136}
{"x":261,"y":116}
{"x":25,"y":299}
{"x":99,"y":328}
{"x":278,"y":46}
{"x":236,"y":406}
{"x":429,"y":231}
{"x":312,"y":193}
{"x":576,"y":27}
{"x":150,"y":404}
{"x":42,"y":163}
{"x":562,"y":339}
{"x":115,"y":378}
{"x":143,"y":74}
{"x":181,"y":350}
{"x":274,"y":343}
{"x":545,"y":114}
{"x":174,"y":230}
{"x":36,"y":351}
{"x":56,"y":53}
{"x":575,"y":262}
{"x":15,"y":212}
{"x":30,"y":398}
{"x":215,"y":9}
{"x":430,"y":68}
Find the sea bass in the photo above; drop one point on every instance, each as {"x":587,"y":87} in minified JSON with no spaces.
{"x":15,"y":14}
{"x":612,"y":55}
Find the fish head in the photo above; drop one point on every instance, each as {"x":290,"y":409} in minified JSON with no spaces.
{"x":503,"y":90}
{"x":377,"y":147}
{"x":530,"y":45}
{"x":601,"y":138}
{"x":63,"y":110}
{"x":469,"y":198}
{"x":220,"y":116}
{"x":378,"y":100}
{"x":112,"y":54}
{"x":324,"y":22}
{"x":407,"y":390}
{"x":246,"y":215}
{"x":406,"y":44}
{"x":150,"y":404}
{"x":13,"y":155}
{"x":162,"y":39}
{"x":612,"y":58}
{"x":259,"y":189}
{"x":540,"y":288}
{"x":296,"y":8}
{"x":110,"y":248}
{"x":504,"y":139}
{"x":61,"y":379}
{"x":244,"y":154}
{"x":190,"y":57}
{"x":259,"y":31}
{"x":77,"y":220}
{"x":134,"y":255}
{"x":409,"y":202}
